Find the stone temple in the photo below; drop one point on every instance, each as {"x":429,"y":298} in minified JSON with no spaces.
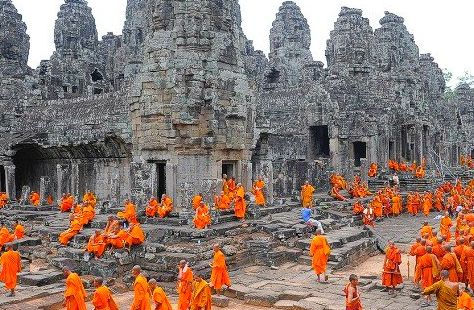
{"x":181,"y":97}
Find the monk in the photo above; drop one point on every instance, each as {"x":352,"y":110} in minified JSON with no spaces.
{"x":358,"y":208}
{"x":396,"y":204}
{"x":427,"y":204}
{"x":368,"y":216}
{"x":418,"y":252}
{"x":166,"y":206}
{"x":158,"y":296}
{"x":445,"y":226}
{"x":129,"y":213}
{"x":75,"y":294}
{"x":307,"y":191}
{"x":219,"y":273}
{"x":464,"y":300}
{"x":11,"y":266}
{"x":96,"y":244}
{"x":88,"y":214}
{"x":196,"y":202}
{"x":89,"y":198}
{"x":3,"y":199}
{"x":438,"y":248}
{"x":240,"y":206}
{"x":428,"y":266}
{"x":141,"y":291}
{"x":103,"y":299}
{"x":67,"y":201}
{"x":232,"y":187}
{"x":5,"y":235}
{"x":372,"y":170}
{"x":136,"y":236}
{"x":420,"y":172}
{"x":185,"y":288}
{"x":337,"y":195}
{"x":201,"y":297}
{"x":446,"y":292}
{"x":459,"y":250}
{"x":319,"y":251}
{"x":352,"y":294}
{"x":152,"y":207}
{"x":258,"y":187}
{"x":222,"y":202}
{"x":377,"y":205}
{"x":35,"y":199}
{"x":391,"y":276}
{"x":469,"y":260}
{"x":202,"y":218}
{"x":19,"y":231}
{"x":426,"y":229}
{"x":75,"y":227}
{"x":225,"y":185}
{"x":451,"y":263}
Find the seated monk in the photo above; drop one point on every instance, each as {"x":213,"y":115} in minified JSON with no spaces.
{"x":89,"y":198}
{"x":196,"y":202}
{"x":372,"y":170}
{"x":19,"y":232}
{"x":420,"y":172}
{"x":336,"y":195}
{"x":96,"y":244}
{"x":129,"y":213}
{"x":232,"y":187}
{"x":136,"y":236}
{"x":5,"y":236}
{"x":117,"y":237}
{"x":75,"y":227}
{"x":403,"y":167}
{"x":3,"y":199}
{"x":166,"y":206}
{"x":35,"y":199}
{"x":88,"y":214}
{"x":222,"y":202}
{"x":152,"y":207}
{"x":67,"y":201}
{"x":258,"y":192}
{"x":358,"y":208}
{"x":202,"y":219}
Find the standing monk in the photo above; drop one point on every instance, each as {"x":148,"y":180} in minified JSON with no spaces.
{"x":307,"y":191}
{"x":445,"y":226}
{"x":469,"y":259}
{"x":158,"y":296}
{"x":11,"y":266}
{"x":75,"y":294}
{"x":428,"y":266}
{"x":446,"y":292}
{"x":396,"y":204}
{"x":352,"y":294}
{"x":141,"y":291}
{"x":201,"y":297}
{"x":103,"y":299}
{"x":391,"y":276}
{"x":239,"y":203}
{"x":320,"y":252}
{"x":185,"y":288}
{"x":451,"y":263}
{"x":219,"y":274}
{"x":258,"y":192}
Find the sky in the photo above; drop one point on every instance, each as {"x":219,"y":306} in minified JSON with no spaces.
{"x":442,"y":28}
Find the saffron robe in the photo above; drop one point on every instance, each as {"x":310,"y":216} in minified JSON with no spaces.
{"x":11,"y":266}
{"x":320,"y":252}
{"x":75,"y":293}
{"x":219,"y":273}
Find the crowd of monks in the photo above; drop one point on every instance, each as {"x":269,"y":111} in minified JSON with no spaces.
{"x":418,"y":171}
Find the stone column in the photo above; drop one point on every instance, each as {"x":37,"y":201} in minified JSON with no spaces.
{"x":266,"y":170}
{"x":44,"y":190}
{"x":171,"y":171}
{"x":62,"y":171}
{"x":419,"y":143}
{"x":246,"y":174}
{"x":140,"y":182}
{"x":10,"y":181}
{"x":364,"y":170}
{"x":115,"y":191}
{"x":75,"y":180}
{"x":154,"y":180}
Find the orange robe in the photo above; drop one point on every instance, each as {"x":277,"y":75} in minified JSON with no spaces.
{"x":35,"y":199}
{"x":201,"y":297}
{"x":377,"y":206}
{"x":391,"y":271}
{"x":141,"y":294}
{"x":103,"y":299}
{"x":459,"y":251}
{"x":336,"y":195}
{"x":185,"y":288}
{"x":74,"y":228}
{"x":372,"y":170}
{"x":66,"y":203}
{"x":5,"y":236}
{"x":469,"y":272}
{"x":96,"y":245}
{"x":88,"y":214}
{"x":75,"y":294}
{"x":159,"y":297}
{"x":445,"y":226}
{"x":439,"y":250}
{"x":355,"y":305}
{"x":118,"y":241}
{"x":19,"y":232}
{"x":426,"y":230}
{"x":465,"y":302}
{"x":196,"y":201}
{"x":427,"y":205}
{"x":258,"y":192}
{"x":320,"y":251}
{"x":3,"y":199}
{"x":428,"y":270}
{"x":136,"y":236}
{"x":451,"y":263}
{"x":129,"y":213}
{"x":219,"y":274}
{"x":358,"y":208}
{"x":89,"y":198}
{"x":152,"y":207}
{"x":166,"y":207}
{"x":202,"y":217}
{"x":396,"y":204}
{"x":418,"y":253}
{"x":223,"y":202}
{"x":307,"y":192}
{"x":11,"y":266}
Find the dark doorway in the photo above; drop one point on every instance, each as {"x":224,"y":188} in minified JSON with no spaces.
{"x":161,"y":179}
{"x":3,"y":186}
{"x":318,"y":142}
{"x":228,"y":168}
{"x":360,"y":151}
{"x":391,"y":150}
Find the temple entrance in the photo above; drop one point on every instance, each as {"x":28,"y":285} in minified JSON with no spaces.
{"x":228,"y":167}
{"x":3,"y":186}
{"x":160,"y":179}
{"x":360,"y":151}
{"x":318,"y":142}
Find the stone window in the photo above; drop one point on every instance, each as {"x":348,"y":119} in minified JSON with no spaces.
{"x":98,"y":91}
{"x":96,"y":76}
{"x":360,"y":151}
{"x":228,"y":168}
{"x":318,"y":142}
{"x":273,"y":76}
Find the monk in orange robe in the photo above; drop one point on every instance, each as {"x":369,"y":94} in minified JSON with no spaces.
{"x":445,"y":226}
{"x":438,"y":248}
{"x":438,"y":200}
{"x":185,"y":289}
{"x":337,"y":195}
{"x":67,"y":201}
{"x":103,"y":299}
{"x":129,"y":213}
{"x":136,"y":236}
{"x":258,"y":192}
{"x":11,"y":266}
{"x":201,"y":297}
{"x":358,"y":208}
{"x":75,"y":294}
{"x":418,"y":252}
{"x":426,"y":230}
{"x":219,"y":273}
{"x":222,"y":202}
{"x":166,"y":206}
{"x":307,"y":191}
{"x":117,"y":238}
{"x":152,"y":207}
{"x":141,"y":290}
{"x":96,"y":244}
{"x":202,"y":218}
{"x":197,"y":201}
{"x":428,"y":266}
{"x":377,"y":205}
{"x":319,"y":250}
{"x":3,"y":199}
{"x":459,"y":251}
{"x":5,"y":235}
{"x":232,"y":187}
{"x":396,"y":204}
{"x":420,"y":172}
{"x":75,"y":227}
{"x":446,"y":292}
{"x":469,"y":259}
{"x":19,"y":231}
{"x":368,"y":216}
{"x":225,"y":184}
{"x":35,"y":199}
{"x":158,"y":296}
{"x":88,"y":214}
{"x":427,"y":204}
{"x":240,"y":206}
{"x":372,"y":170}
{"x":451,"y":263}
{"x":391,"y":276}
{"x":352,"y":294}
{"x":464,"y":300}
{"x":89,"y":198}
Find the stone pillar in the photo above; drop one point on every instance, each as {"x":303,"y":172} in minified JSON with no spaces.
{"x":75,"y":180}
{"x":45,"y":190}
{"x":171,"y":171}
{"x":246,"y":174}
{"x":266,"y":171}
{"x":10,"y":181}
{"x":418,"y":143}
{"x":154,"y":180}
{"x":63,"y":186}
{"x":140,"y":182}
{"x":115,"y":191}
{"x":185,"y":193}
{"x":364,"y":170}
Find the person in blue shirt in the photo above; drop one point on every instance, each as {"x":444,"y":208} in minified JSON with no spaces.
{"x":306,"y":214}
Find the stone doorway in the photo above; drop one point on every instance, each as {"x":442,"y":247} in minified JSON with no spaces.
{"x":160,"y":179}
{"x":3,"y":186}
{"x":229,"y":168}
{"x":318,"y":142}
{"x":360,"y":151}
